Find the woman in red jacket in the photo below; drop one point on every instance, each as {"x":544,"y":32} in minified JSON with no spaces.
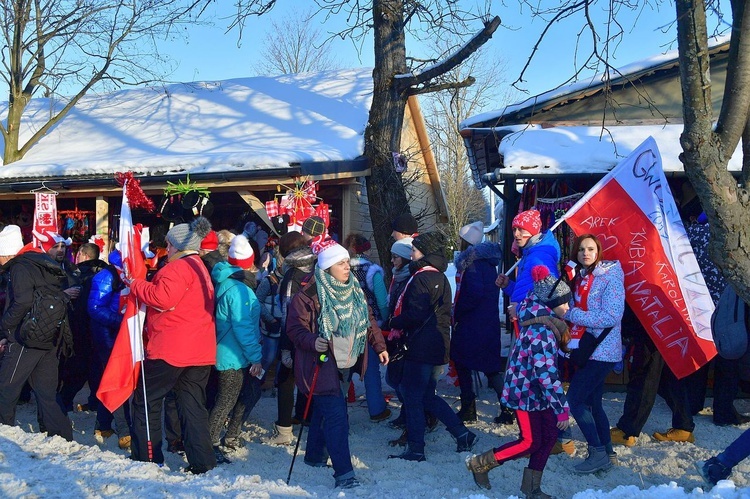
{"x":180,"y":342}
{"x":330,"y":316}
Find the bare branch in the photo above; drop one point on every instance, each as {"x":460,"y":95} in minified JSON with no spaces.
{"x":442,"y":86}
{"x":451,"y":62}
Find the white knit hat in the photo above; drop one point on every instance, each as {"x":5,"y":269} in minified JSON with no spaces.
{"x":11,"y":241}
{"x":241,"y":253}
{"x":402,"y":248}
{"x":329,"y":252}
{"x":472,"y":233}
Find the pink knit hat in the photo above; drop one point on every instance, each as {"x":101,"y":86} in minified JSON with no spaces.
{"x":529,"y":220}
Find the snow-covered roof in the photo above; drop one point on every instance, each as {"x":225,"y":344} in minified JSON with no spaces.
{"x":533,"y":150}
{"x":622,"y":74}
{"x":202,"y":127}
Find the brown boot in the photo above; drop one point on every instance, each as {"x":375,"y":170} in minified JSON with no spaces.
{"x":532,"y":484}
{"x":480,"y":465}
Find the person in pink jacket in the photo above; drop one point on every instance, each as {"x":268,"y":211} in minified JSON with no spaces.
{"x":180,"y":343}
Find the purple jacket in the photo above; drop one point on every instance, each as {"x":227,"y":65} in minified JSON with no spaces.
{"x":302,"y":330}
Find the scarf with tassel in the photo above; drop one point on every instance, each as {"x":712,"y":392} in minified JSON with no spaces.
{"x":343,"y":310}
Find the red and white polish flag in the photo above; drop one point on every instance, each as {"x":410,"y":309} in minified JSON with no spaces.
{"x":121,"y":374}
{"x":633,"y":213}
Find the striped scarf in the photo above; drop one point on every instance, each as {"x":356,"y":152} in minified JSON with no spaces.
{"x":343,"y":310}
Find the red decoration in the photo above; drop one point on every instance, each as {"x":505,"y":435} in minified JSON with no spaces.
{"x":136,"y":197}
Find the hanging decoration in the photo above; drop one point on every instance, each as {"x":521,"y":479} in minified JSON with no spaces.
{"x":184,"y":201}
{"x":400,"y":162}
{"x":298,"y":203}
{"x":45,"y":211}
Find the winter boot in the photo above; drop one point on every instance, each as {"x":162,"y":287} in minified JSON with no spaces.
{"x":409,"y":455}
{"x":675,"y":435}
{"x":401,"y":441}
{"x":619,"y":438}
{"x":480,"y":465}
{"x":597,"y":460}
{"x":282,"y":435}
{"x":506,"y":417}
{"x":468,"y":411}
{"x":713,"y":470}
{"x":466,"y":441}
{"x":531,"y":485}
{"x":220,"y":457}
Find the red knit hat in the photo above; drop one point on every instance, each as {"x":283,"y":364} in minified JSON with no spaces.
{"x":210,"y":242}
{"x":529,"y":220}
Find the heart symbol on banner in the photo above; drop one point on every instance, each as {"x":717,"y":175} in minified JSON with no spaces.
{"x":608,"y":242}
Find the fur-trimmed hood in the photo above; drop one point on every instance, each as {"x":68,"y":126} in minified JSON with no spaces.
{"x":484,"y":251}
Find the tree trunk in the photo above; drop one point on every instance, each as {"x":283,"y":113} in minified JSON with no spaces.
{"x":385,"y":191}
{"x":707,"y":152}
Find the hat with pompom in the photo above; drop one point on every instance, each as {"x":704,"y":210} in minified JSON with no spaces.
{"x":550,"y":290}
{"x":328,"y":251}
{"x":185,"y":237}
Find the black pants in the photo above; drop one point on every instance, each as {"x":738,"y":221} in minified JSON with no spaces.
{"x":649,"y":377}
{"x":189,"y":385}
{"x":39,"y":368}
{"x":285,"y":398}
{"x":726,"y":387}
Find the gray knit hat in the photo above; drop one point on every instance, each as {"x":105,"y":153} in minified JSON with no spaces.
{"x":550,"y":290}
{"x":189,"y":236}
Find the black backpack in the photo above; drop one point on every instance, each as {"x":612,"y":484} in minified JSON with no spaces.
{"x":45,"y":325}
{"x":729,"y":325}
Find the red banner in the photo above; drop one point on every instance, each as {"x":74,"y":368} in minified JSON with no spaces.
{"x":633,"y":213}
{"x":45,"y":213}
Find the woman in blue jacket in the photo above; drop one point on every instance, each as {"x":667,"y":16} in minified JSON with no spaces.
{"x":104,"y":311}
{"x":238,"y":346}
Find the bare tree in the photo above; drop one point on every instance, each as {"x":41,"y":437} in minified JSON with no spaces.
{"x":444,"y":111}
{"x":706,"y":148}
{"x":397,"y":77}
{"x":295,"y":45}
{"x":51,"y":45}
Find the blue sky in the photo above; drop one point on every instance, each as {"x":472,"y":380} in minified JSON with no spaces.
{"x":212,"y":54}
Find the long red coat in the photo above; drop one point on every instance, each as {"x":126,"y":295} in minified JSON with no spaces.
{"x":180,"y":327}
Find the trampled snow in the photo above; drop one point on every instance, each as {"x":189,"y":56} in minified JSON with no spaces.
{"x":33,"y":465}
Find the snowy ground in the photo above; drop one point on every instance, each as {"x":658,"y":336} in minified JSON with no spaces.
{"x":32,"y":465}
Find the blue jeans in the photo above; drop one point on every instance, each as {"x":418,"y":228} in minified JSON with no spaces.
{"x":585,"y":401}
{"x":329,"y":435}
{"x":269,"y":351}
{"x":737,"y":451}
{"x":373,"y":384}
{"x":418,"y":389}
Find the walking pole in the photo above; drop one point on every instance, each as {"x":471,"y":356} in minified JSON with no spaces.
{"x":321,"y":359}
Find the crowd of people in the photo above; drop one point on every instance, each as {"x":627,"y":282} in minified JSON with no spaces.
{"x":223,"y":311}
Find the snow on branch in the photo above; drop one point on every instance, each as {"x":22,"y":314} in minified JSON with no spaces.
{"x":407,"y":81}
{"x":469,"y":81}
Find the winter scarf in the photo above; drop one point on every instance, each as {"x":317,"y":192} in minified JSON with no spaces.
{"x":301,"y":258}
{"x":399,"y":276}
{"x":343,"y":310}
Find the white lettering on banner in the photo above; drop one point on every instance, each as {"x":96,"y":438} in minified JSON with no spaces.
{"x":593,"y":222}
